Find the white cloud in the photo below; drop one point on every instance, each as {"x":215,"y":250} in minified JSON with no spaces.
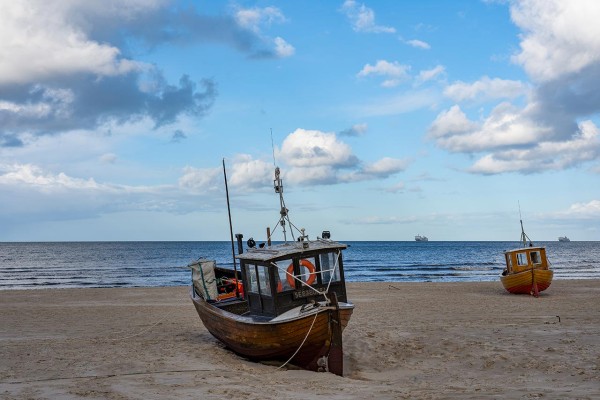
{"x":451,"y":122}
{"x":254,"y":18}
{"x":40,"y":41}
{"x":317,"y":158}
{"x":547,"y":155}
{"x":385,"y":166}
{"x":486,"y":89}
{"x":380,"y":169}
{"x":394,"y":71}
{"x":200,"y":178}
{"x":418,"y":44}
{"x":32,"y":175}
{"x":283,"y":48}
{"x":429,"y":74}
{"x":363,"y":18}
{"x":249,"y":173}
{"x":587,"y":210}
{"x":560,"y":37}
{"x":311,"y":148}
{"x":562,"y":57}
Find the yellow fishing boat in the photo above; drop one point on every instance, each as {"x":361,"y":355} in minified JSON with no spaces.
{"x":527,"y":268}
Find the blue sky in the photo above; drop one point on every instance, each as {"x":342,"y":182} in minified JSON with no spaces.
{"x":388,"y":119}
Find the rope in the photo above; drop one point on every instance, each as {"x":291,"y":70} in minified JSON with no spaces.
{"x":324,"y":293}
{"x":144,"y":330}
{"x":301,"y":344}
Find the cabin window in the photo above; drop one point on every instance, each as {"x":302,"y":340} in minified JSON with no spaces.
{"x":328,"y":263}
{"x":508,"y":262}
{"x":263,"y":280}
{"x":521,"y":259}
{"x":308,"y":270}
{"x":282,"y":277}
{"x":535,"y":257}
{"x":252,"y":285}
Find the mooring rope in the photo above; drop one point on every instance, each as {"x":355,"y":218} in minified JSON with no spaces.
{"x":301,"y":344}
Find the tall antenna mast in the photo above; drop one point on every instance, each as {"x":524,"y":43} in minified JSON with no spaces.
{"x":524,"y":237}
{"x":283,"y":212}
{"x":273,"y":148}
{"x":230,"y":227}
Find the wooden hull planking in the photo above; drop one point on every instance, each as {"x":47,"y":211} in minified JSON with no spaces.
{"x":272,"y":341}
{"x":523,"y":282}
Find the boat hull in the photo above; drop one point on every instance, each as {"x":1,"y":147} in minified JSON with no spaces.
{"x":274,"y":340}
{"x":525,"y":282}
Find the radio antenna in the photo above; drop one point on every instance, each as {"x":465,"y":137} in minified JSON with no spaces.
{"x":273,"y":148}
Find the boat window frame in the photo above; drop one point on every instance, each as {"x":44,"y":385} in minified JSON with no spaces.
{"x":522,"y":256}
{"x":509,"y":262}
{"x":538,"y":254}
{"x":281,"y":275}
{"x":252,"y":278}
{"x":331,"y":256}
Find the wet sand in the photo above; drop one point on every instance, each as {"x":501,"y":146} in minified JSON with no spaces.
{"x":405,"y":340}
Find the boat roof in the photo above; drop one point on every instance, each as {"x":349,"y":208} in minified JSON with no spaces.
{"x":525,"y":249}
{"x":289,"y":249}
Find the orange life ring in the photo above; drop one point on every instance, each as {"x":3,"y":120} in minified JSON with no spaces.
{"x":238,"y":283}
{"x":306,"y":264}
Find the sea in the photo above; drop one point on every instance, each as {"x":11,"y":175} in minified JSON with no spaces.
{"x":152,"y":264}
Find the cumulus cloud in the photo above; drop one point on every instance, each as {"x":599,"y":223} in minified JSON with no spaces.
{"x":312,"y":148}
{"x":315,"y":158}
{"x":363,"y":18}
{"x":559,"y":38}
{"x":394,"y":72}
{"x":66,"y":65}
{"x":587,"y":210}
{"x":282,"y":48}
{"x":41,"y":42}
{"x":553,"y":128}
{"x":451,"y":122}
{"x":486,"y":88}
{"x":544,"y":156}
{"x":255,"y":19}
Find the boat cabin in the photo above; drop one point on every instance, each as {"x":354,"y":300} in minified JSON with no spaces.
{"x":281,"y":277}
{"x":524,"y":259}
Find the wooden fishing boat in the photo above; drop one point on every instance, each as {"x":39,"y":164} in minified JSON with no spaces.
{"x":527,"y":268}
{"x":287,"y":302}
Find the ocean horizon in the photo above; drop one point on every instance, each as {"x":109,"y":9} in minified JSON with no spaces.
{"x":39,"y":265}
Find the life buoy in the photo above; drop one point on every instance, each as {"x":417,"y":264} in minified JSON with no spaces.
{"x":306,"y":264}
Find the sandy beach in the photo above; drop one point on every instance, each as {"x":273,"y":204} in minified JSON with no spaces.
{"x":405,"y":340}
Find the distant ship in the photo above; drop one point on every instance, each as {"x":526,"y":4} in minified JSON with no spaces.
{"x":563,"y":239}
{"x":420,"y":238}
